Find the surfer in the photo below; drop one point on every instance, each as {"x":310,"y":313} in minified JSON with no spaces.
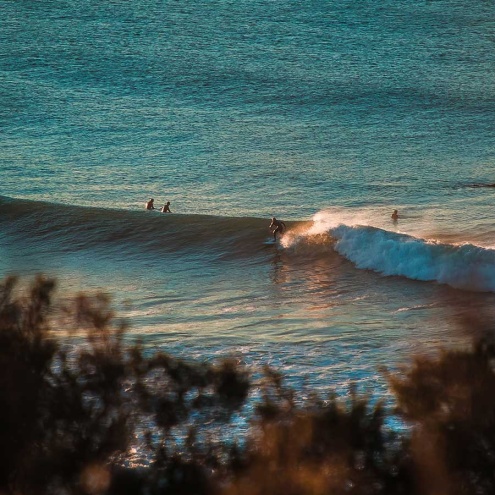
{"x":150,"y":205}
{"x":395,"y":216}
{"x":279,"y":227}
{"x":166,"y":208}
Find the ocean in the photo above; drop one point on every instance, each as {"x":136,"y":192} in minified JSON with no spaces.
{"x":327,"y":114}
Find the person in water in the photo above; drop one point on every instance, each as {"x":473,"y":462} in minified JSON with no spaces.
{"x":150,"y":205}
{"x":166,"y":208}
{"x":279,"y":227}
{"x":395,"y":216}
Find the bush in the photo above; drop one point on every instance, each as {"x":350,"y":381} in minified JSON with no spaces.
{"x":67,"y":418}
{"x":71,"y":415}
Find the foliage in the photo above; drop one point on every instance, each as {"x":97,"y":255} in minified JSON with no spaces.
{"x":67,"y":416}
{"x":451,"y":402}
{"x":71,"y":415}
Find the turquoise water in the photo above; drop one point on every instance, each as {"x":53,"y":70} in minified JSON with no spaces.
{"x":326,"y":114}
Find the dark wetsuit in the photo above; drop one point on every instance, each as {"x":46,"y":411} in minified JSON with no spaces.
{"x":279,"y":227}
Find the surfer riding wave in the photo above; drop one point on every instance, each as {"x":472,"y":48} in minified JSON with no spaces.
{"x":279,"y":227}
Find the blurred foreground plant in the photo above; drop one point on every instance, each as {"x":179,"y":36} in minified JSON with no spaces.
{"x":66,"y":418}
{"x":71,"y":414}
{"x":450,"y":403}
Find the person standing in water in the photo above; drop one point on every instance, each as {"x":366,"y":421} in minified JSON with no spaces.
{"x":150,"y":205}
{"x":279,"y":227}
{"x":166,"y":208}
{"x":395,"y":216}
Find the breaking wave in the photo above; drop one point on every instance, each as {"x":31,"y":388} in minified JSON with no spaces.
{"x":56,"y":228}
{"x":463,"y":266}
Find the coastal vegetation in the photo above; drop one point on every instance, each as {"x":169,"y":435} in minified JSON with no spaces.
{"x":85,"y":410}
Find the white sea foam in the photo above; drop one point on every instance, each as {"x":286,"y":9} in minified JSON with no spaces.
{"x":464,"y":266}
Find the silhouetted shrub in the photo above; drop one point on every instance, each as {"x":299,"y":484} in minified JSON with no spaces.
{"x":67,"y":416}
{"x":450,"y":401}
{"x":62,"y":417}
{"x":322,"y":447}
{"x":72,"y":411}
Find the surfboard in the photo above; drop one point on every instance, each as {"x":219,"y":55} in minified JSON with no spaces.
{"x":270,"y":242}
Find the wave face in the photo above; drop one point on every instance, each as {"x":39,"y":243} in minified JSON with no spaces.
{"x":462,"y":266}
{"x":73,"y":228}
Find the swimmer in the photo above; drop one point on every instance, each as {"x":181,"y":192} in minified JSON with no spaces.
{"x":279,"y":227}
{"x":166,"y":208}
{"x":395,"y":216}
{"x":150,"y":205}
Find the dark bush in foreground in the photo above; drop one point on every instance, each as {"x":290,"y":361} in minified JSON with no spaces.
{"x":71,"y":418}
